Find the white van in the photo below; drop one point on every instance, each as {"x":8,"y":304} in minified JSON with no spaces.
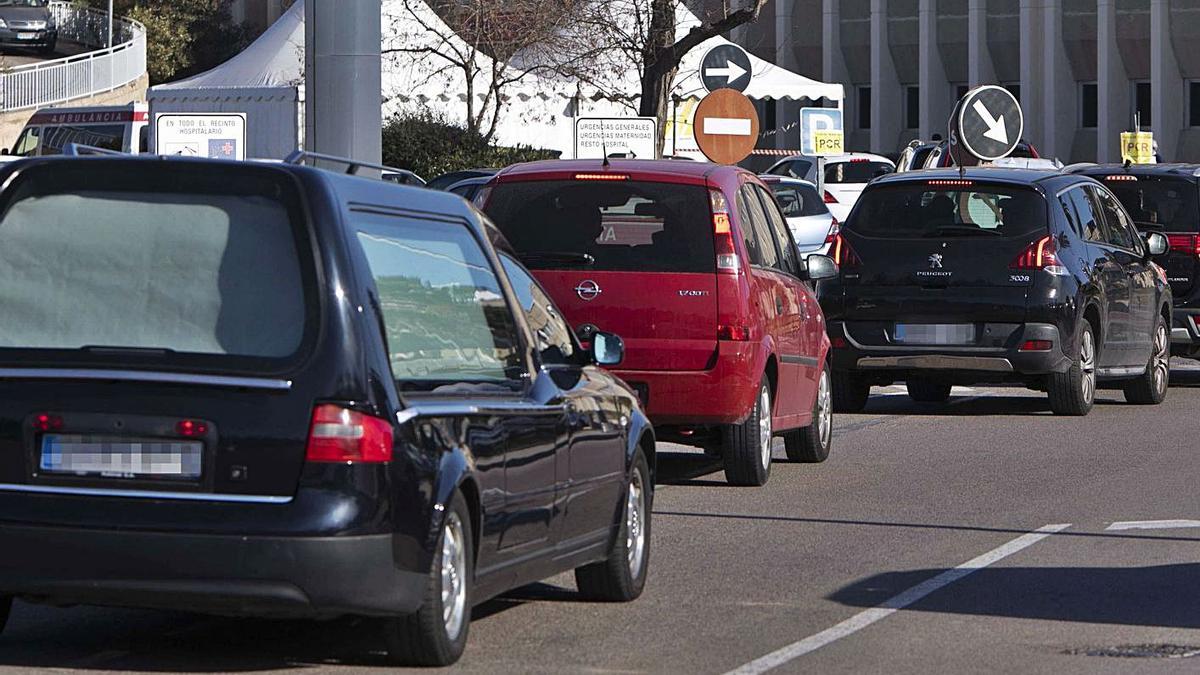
{"x":122,"y":127}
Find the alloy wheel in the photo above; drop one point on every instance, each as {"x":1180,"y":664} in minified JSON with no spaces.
{"x":1162,"y":359}
{"x":454,"y":580}
{"x":1087,"y":364}
{"x":764,"y":427}
{"x":635,"y":524}
{"x":824,"y":409}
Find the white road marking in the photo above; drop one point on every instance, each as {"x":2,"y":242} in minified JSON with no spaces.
{"x":867,"y":617}
{"x":727,"y":126}
{"x":1153,"y":524}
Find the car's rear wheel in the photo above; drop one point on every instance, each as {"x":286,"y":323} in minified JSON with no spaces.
{"x":1072,"y":392}
{"x":928,"y":391}
{"x":5,"y":610}
{"x":748,"y":445}
{"x":436,"y":634}
{"x":622,"y":576}
{"x":1151,"y":387}
{"x":811,"y":443}
{"x":850,"y":392}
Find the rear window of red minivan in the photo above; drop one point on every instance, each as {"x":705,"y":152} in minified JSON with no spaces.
{"x":618,"y":225}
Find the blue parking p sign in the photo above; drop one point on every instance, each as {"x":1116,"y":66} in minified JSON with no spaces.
{"x":821,"y":132}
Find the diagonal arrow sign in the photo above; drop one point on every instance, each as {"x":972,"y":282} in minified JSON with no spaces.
{"x":732,"y":72}
{"x":996,"y":129}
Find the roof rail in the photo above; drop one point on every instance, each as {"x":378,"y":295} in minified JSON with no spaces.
{"x":80,"y":150}
{"x":352,"y":165}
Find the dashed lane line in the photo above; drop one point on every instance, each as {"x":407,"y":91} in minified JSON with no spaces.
{"x":1152,"y":525}
{"x":867,"y":617}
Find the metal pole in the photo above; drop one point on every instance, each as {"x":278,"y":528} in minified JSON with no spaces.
{"x":110,"y":22}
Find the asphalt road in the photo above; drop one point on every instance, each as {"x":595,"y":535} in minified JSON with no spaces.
{"x":19,"y":57}
{"x":852,"y":566}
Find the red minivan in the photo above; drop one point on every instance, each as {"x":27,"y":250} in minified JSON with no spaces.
{"x":694,"y":266}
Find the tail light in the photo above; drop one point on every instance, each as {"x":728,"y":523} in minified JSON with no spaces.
{"x":830,"y":199}
{"x":834,"y":229}
{"x":736,"y":333}
{"x":342,"y":435}
{"x":843,"y":253}
{"x":1184,"y":243}
{"x":727,"y":259}
{"x":1040,"y":255}
{"x":1036,"y":345}
{"x":47,"y":422}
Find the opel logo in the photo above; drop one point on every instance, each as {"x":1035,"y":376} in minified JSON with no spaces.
{"x":587,"y":290}
{"x":935,"y":261}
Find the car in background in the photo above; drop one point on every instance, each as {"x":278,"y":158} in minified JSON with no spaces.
{"x":389,"y":426}
{"x":940,"y":158}
{"x":402,"y":177}
{"x":28,"y":24}
{"x":1165,"y":198}
{"x":120,"y":128}
{"x":447,"y":179}
{"x":470,"y":187}
{"x":996,"y":275}
{"x":913,"y":157}
{"x":813,"y":226}
{"x":694,"y":265}
{"x":845,"y":176}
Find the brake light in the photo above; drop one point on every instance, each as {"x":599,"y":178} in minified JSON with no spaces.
{"x":838,"y":342}
{"x":727,"y":259}
{"x":951,"y":182}
{"x":191,"y":428}
{"x":737,"y":333}
{"x":342,"y":435}
{"x":601,"y":176}
{"x":1036,"y":345}
{"x":1122,"y":176}
{"x":1184,"y":243}
{"x":834,"y":229}
{"x":829,"y":199}
{"x":843,"y":253}
{"x":1040,"y":255}
{"x":47,"y":422}
{"x":859,"y":160}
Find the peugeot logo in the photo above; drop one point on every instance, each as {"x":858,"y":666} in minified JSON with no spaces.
{"x":587,"y":290}
{"x":935,"y":262}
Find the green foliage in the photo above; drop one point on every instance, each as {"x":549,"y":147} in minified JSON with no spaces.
{"x":430,"y":146}
{"x":183,"y":37}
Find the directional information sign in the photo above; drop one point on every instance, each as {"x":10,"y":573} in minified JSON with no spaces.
{"x":725,"y":66}
{"x":726,"y":126}
{"x":821,"y":132}
{"x":988,"y":123}
{"x":216,"y":135}
{"x":630,"y":137}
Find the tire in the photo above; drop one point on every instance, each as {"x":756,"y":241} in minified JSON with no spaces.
{"x":928,"y":391}
{"x":622,"y":576}
{"x":850,"y":392}
{"x":1151,"y":387}
{"x":433,"y":635}
{"x":1073,"y":392}
{"x":5,"y":611}
{"x":811,"y":443}
{"x":747,"y":461}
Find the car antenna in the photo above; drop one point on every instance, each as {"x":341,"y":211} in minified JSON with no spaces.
{"x":603,"y":146}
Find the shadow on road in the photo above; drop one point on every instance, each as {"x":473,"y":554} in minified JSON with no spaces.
{"x":1022,"y":402}
{"x":687,"y":468}
{"x":1161,"y":595}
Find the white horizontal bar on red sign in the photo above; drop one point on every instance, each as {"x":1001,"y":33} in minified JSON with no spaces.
{"x":727,"y":126}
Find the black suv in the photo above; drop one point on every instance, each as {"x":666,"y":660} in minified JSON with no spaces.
{"x":996,"y":275}
{"x":269,"y":389}
{"x":1166,"y":198}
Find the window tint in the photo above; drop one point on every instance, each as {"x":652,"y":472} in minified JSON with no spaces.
{"x":796,"y":168}
{"x":1091,"y":228}
{"x":789,"y":258}
{"x":1164,"y":202}
{"x":623,"y":225}
{"x":1119,"y":229}
{"x":914,"y":210}
{"x":856,"y":171}
{"x":443,"y":311}
{"x":755,"y":225}
{"x":551,"y":334}
{"x":798,"y":200}
{"x":752,"y":250}
{"x":105,"y":136}
{"x":1068,"y":208}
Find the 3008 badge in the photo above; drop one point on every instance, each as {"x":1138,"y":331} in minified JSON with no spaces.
{"x":1019,"y":278}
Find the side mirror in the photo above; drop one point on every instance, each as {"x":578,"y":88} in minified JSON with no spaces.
{"x":607,"y":349}
{"x":1156,"y":243}
{"x":820,"y":267}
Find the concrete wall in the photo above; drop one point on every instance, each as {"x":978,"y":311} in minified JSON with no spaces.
{"x":12,"y":123}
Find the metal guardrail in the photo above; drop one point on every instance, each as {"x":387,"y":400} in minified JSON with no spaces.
{"x":73,"y":77}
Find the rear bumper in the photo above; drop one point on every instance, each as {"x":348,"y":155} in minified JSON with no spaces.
{"x":216,"y":574}
{"x":961,"y":364}
{"x":42,"y":38}
{"x":1185,"y":339}
{"x":723,"y":394}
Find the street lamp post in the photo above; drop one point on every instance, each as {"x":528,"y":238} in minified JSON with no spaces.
{"x":110,"y":22}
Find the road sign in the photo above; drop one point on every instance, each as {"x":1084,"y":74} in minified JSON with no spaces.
{"x":632,"y":137}
{"x":726,"y":66}
{"x":215,"y":135}
{"x":821,"y":132}
{"x":1137,"y":147}
{"x":726,"y":126}
{"x":987,"y":123}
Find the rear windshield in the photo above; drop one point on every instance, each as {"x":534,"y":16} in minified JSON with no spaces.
{"x":798,"y":200}
{"x":856,"y":171}
{"x":607,"y":225}
{"x":123,"y":264}
{"x":919,"y":210}
{"x":1166,"y":203}
{"x":794,"y":168}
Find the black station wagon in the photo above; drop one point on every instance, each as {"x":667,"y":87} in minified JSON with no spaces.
{"x":274,"y":390}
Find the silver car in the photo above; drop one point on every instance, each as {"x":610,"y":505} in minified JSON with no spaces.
{"x":27,"y":24}
{"x":812,"y":225}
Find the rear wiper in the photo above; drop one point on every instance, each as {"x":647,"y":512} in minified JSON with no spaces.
{"x":943,"y":230}
{"x":107,"y":349}
{"x":560,"y":257}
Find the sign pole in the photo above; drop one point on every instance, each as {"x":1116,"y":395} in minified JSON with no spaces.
{"x":821,"y":176}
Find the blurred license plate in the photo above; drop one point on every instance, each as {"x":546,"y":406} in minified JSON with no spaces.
{"x":26,"y":36}
{"x":935,"y":333}
{"x":110,"y":457}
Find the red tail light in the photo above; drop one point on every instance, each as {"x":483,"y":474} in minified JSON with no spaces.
{"x":1184,"y":243}
{"x":737,"y":333}
{"x":1041,"y":255}
{"x":829,"y":199}
{"x":838,"y":342}
{"x":342,"y":435}
{"x":191,"y":428}
{"x":834,"y":229}
{"x":843,"y":253}
{"x":1036,"y":346}
{"x":47,"y":422}
{"x":727,"y":259}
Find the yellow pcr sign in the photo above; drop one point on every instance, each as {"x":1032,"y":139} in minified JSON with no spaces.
{"x":1137,"y":147}
{"x":828,"y":142}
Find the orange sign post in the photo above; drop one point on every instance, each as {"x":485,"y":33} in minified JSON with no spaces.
{"x":726,"y":126}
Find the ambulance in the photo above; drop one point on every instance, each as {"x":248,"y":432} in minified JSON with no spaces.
{"x":124,"y":128}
